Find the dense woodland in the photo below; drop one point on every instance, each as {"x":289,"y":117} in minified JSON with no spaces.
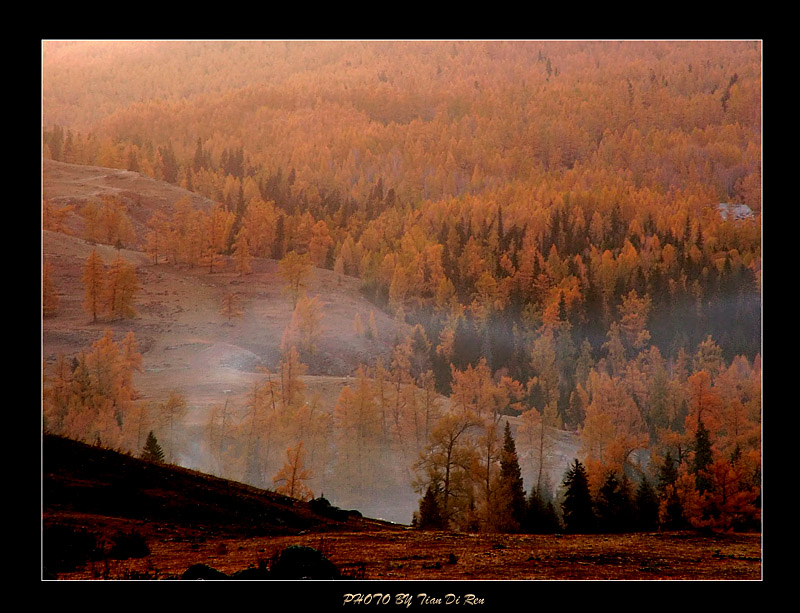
{"x":542,"y":216}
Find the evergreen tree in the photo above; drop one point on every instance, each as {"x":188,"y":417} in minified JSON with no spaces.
{"x":168,"y":164}
{"x":512,"y":492}
{"x":466,"y":344}
{"x":540,"y":514}
{"x":614,"y":510}
{"x":673,"y":518}
{"x":667,"y":474}
{"x":646,"y":507}
{"x":430,"y":516}
{"x":577,"y":505}
{"x":152,"y":451}
{"x":702,"y":457}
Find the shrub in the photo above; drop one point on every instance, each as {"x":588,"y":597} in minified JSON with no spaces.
{"x":128,"y":545}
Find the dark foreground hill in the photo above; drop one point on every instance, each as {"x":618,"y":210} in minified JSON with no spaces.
{"x":82,"y":480}
{"x":99,"y":504}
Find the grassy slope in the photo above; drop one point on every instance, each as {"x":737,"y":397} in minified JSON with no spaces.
{"x":80,"y":482}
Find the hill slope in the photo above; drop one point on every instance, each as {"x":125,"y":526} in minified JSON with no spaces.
{"x":81,"y":481}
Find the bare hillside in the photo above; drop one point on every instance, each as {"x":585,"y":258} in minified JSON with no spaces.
{"x":72,"y":184}
{"x":187,"y":343}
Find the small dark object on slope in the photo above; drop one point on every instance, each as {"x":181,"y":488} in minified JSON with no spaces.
{"x":203,"y":572}
{"x":298,"y":562}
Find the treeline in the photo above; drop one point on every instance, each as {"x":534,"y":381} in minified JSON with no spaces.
{"x":707,"y":492}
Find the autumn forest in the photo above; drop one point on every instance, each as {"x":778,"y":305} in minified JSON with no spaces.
{"x":554,"y":248}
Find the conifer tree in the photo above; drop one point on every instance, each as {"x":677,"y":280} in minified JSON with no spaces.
{"x":671,"y":510}
{"x":540,"y":514}
{"x":291,"y":478}
{"x":702,"y":457}
{"x":295,"y":269}
{"x":614,"y":508}
{"x":430,"y":516}
{"x":169,"y":414}
{"x":241,"y":253}
{"x":646,"y":507}
{"x":230,"y":306}
{"x":93,"y":284}
{"x":512,"y":492}
{"x":577,"y":510}
{"x":152,"y":451}
{"x":120,"y":289}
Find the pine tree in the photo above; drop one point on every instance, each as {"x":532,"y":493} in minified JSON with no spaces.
{"x":667,"y":473}
{"x":430,"y":516}
{"x":152,"y":451}
{"x":512,"y":492}
{"x":540,"y":514}
{"x":577,"y":505}
{"x":702,"y":457}
{"x":241,"y":253}
{"x":672,"y":517}
{"x":295,"y":269}
{"x":614,"y":509}
{"x":646,"y":507}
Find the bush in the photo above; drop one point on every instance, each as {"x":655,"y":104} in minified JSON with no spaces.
{"x":298,"y":562}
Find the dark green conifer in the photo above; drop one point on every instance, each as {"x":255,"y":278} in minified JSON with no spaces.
{"x":511,"y":486}
{"x":152,"y":451}
{"x":540,"y":514}
{"x":577,"y":505}
{"x":667,"y":476}
{"x":702,"y":457}
{"x":430,"y":515}
{"x":646,"y":506}
{"x":614,"y":509}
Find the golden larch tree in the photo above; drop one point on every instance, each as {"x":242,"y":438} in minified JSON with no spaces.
{"x":241,"y":253}
{"x":231,"y":306}
{"x":295,"y":269}
{"x":93,"y":283}
{"x":291,"y":478}
{"x":170,"y":413}
{"x":305,"y":327}
{"x":157,"y":238}
{"x":120,"y":290}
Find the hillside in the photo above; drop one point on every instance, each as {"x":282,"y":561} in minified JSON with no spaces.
{"x":90,"y":487}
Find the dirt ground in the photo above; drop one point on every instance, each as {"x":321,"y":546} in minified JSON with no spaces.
{"x":413,"y":555}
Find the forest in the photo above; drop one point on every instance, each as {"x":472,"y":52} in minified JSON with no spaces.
{"x":565,"y":235}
